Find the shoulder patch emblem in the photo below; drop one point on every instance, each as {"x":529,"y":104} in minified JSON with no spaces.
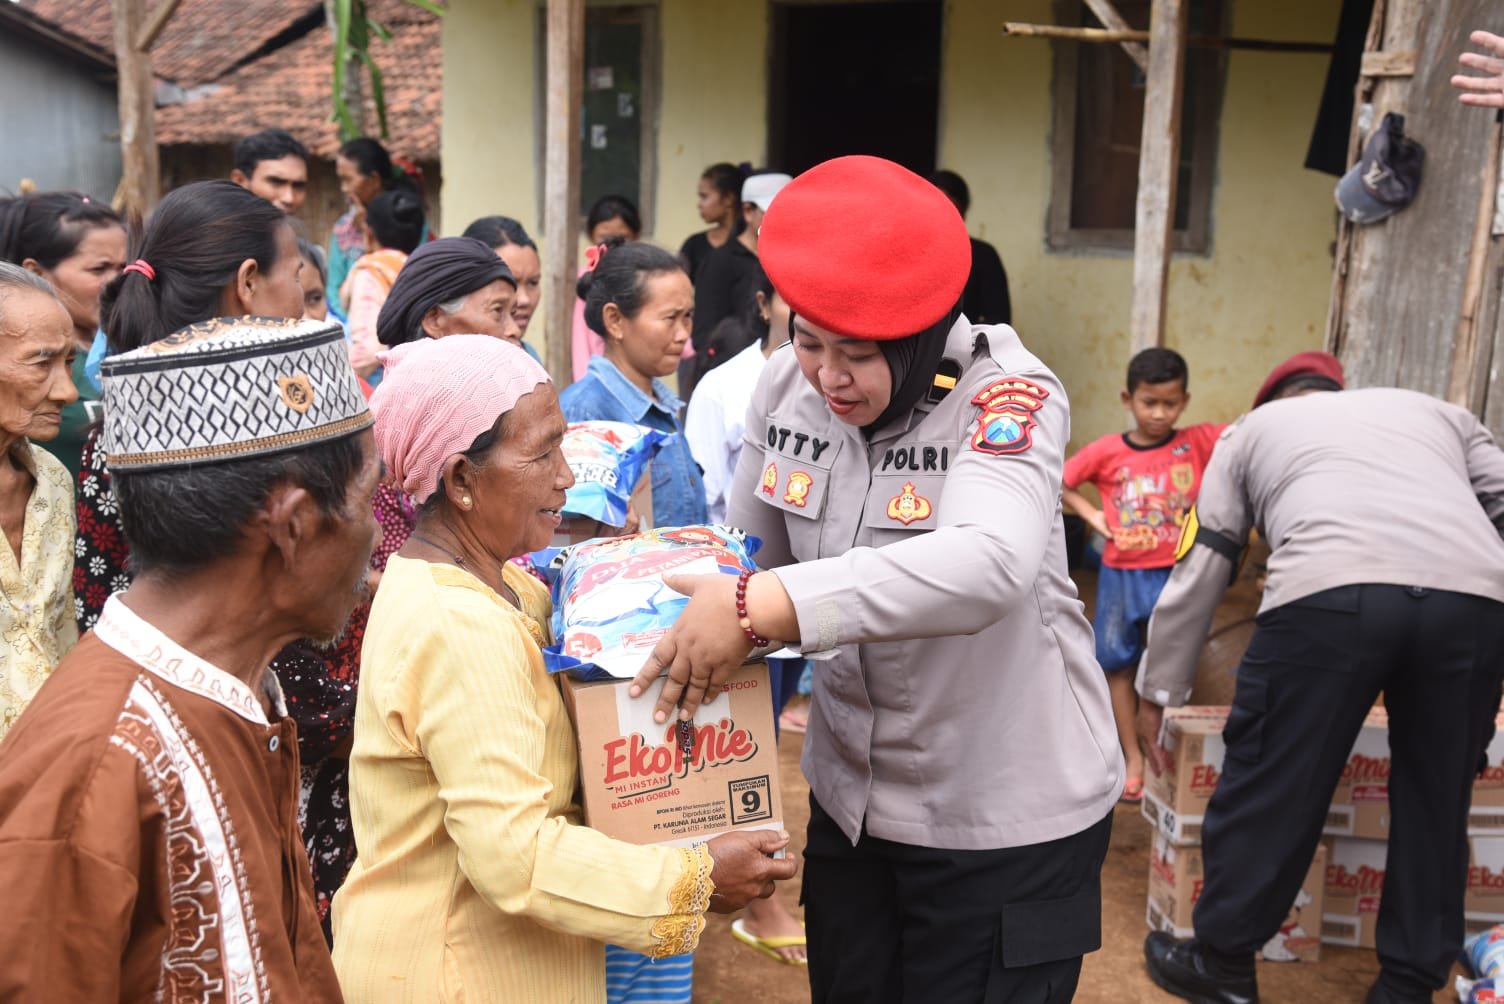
{"x":1006,"y":423}
{"x":908,"y":506}
{"x":798,"y":490}
{"x":770,"y":480}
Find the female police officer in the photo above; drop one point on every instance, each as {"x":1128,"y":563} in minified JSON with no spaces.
{"x":961,"y":751}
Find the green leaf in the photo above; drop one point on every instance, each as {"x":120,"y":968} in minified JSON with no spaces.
{"x":378,"y":92}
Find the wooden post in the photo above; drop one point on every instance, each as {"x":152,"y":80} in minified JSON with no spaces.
{"x":1111,"y":19}
{"x":1463,"y":384}
{"x":565,"y":41}
{"x":154,"y":24}
{"x":1158,"y":166}
{"x":141,"y":177}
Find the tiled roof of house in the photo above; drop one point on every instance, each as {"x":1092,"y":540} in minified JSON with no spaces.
{"x":55,"y":35}
{"x":203,"y":38}
{"x":208,"y":44}
{"x":292,"y":88}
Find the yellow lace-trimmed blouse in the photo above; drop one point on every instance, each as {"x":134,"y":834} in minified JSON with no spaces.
{"x":475,"y":879}
{"x":36,"y":594}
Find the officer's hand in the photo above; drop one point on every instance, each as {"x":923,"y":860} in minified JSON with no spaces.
{"x":1150,"y":717}
{"x":743,"y":870}
{"x":1487,"y":90}
{"x":702,"y":649}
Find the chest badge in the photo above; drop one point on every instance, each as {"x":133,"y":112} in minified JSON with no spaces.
{"x":798,"y":489}
{"x":770,"y":480}
{"x":908,"y":506}
{"x":1183,"y":477}
{"x":1006,"y":424}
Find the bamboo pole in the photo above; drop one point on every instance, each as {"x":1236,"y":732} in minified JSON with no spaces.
{"x":1109,"y":16}
{"x":561,"y":178}
{"x":1159,"y":157}
{"x":1462,"y":383}
{"x":1108,"y":36}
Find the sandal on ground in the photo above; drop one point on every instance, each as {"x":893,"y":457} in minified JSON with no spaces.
{"x":769,"y":946}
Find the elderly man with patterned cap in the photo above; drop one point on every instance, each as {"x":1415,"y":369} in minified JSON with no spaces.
{"x":149,"y":844}
{"x":1384,"y":510}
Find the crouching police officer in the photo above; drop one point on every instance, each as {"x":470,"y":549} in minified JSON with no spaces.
{"x":1383,"y":509}
{"x":902,"y":467}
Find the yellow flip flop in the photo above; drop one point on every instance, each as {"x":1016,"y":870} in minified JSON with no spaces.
{"x":769,"y":946}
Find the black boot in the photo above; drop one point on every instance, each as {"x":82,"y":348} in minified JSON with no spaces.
{"x":1188,"y":970}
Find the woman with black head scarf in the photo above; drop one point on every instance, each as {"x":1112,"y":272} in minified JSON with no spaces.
{"x":902,"y":468}
{"x":451,"y":286}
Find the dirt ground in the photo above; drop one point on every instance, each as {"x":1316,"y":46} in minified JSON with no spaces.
{"x":727,"y":972}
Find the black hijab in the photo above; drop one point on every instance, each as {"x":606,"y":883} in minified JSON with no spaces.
{"x":437,"y":272}
{"x":913,"y":361}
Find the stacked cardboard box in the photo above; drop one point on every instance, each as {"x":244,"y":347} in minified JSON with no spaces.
{"x":1176,"y":875}
{"x":1354,"y":882}
{"x":1357,"y":823}
{"x":1175,"y":802}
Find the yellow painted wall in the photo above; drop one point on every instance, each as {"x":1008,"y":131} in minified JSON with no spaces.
{"x":712,"y":107}
{"x":1260,"y":295}
{"x":491,"y":146}
{"x":714,"y":101}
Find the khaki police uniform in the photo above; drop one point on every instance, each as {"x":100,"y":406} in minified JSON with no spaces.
{"x":959,"y":717}
{"x":1383,"y":509}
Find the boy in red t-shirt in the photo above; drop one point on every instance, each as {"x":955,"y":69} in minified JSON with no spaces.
{"x":1147,"y":479}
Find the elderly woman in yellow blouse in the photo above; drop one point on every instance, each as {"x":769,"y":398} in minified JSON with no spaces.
{"x":36,"y":493}
{"x":475,"y":880}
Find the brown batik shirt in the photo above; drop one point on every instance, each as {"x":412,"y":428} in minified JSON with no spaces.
{"x":149,"y":844}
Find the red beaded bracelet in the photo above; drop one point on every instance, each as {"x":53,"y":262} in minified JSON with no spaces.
{"x":757,"y":640}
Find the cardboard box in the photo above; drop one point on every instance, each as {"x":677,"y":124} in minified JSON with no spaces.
{"x":1176,"y":874}
{"x":1354,"y":885}
{"x":1175,"y":800}
{"x":636,"y":783}
{"x":1360,"y":802}
{"x":1485,"y":880}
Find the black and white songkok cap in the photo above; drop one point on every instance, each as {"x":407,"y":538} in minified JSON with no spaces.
{"x":229,"y":389}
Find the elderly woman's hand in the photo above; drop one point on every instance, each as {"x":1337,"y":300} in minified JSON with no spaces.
{"x":707,"y":644}
{"x":743,"y":869}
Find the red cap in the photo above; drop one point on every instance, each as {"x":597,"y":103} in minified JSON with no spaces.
{"x":1322,"y":364}
{"x":865,"y":248}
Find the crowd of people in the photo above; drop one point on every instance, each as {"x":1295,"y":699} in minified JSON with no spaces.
{"x":274,"y":714}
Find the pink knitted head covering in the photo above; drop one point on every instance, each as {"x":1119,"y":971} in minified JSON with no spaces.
{"x":437,"y":395}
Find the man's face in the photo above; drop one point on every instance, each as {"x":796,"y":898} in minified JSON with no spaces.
{"x":36,"y":352}
{"x":282,"y":182}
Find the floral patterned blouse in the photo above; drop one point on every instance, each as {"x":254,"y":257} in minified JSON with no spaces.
{"x":318,"y":685}
{"x":36,"y":609}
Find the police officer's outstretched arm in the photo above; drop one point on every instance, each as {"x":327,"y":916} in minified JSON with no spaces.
{"x":1000,"y":506}
{"x":707,"y":643}
{"x":1214,"y":535}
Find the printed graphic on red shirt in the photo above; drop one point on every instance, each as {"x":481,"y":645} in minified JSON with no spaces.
{"x":1146,"y":493}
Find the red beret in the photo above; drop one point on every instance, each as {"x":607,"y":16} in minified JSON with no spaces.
{"x":865,"y":248}
{"x":1322,"y":364}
